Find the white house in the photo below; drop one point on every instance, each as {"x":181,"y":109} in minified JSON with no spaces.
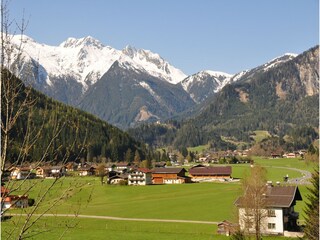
{"x":21,"y":173}
{"x":279,"y":215}
{"x":140,"y":176}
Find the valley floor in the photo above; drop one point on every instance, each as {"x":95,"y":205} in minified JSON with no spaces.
{"x":186,"y":211}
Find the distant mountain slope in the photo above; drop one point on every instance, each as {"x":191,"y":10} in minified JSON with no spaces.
{"x":281,"y":97}
{"x":126,"y":95}
{"x":277,"y":99}
{"x":82,"y":135}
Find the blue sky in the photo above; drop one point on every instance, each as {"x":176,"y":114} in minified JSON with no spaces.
{"x":193,"y":35}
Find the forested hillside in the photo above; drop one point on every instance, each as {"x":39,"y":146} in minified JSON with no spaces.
{"x":283,"y":100}
{"x":61,"y":132}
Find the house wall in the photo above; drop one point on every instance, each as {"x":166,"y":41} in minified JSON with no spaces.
{"x":83,"y":173}
{"x":172,"y":181}
{"x":139,"y":178}
{"x":165,"y":178}
{"x":209,"y":176}
{"x":277,"y":220}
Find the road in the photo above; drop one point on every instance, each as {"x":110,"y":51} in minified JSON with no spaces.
{"x":304,"y":179}
{"x":118,"y":218}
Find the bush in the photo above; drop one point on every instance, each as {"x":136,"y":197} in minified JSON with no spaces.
{"x":31,"y":202}
{"x":123,"y":182}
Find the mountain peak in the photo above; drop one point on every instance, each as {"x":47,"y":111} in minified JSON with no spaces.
{"x":85,"y":41}
{"x":129,"y":51}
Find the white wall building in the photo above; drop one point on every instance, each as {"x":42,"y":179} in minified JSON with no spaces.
{"x":140,"y":176}
{"x":278,"y":215}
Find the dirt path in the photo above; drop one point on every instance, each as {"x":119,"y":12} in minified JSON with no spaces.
{"x":119,"y":218}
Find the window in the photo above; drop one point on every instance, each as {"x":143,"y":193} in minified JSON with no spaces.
{"x":271,"y":213}
{"x":271,"y":225}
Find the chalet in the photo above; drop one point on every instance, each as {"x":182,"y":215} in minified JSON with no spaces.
{"x":202,"y":173}
{"x":12,"y":201}
{"x":118,"y":179}
{"x":43,"y":172}
{"x":71,"y":166}
{"x":122,"y":166}
{"x":50,"y":171}
{"x":86,"y":171}
{"x":140,"y":176}
{"x":280,"y":217}
{"x":58,"y":171}
{"x":169,"y":176}
{"x":289,"y":155}
{"x":21,"y":173}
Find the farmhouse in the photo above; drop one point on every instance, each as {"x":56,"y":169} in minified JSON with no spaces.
{"x":87,"y":171}
{"x":43,"y":172}
{"x":140,"y":176}
{"x":202,"y":173}
{"x":280,"y":217}
{"x":12,"y":201}
{"x":50,"y":171}
{"x":169,"y":176}
{"x":123,"y":177}
{"x":289,"y":155}
{"x":21,"y":173}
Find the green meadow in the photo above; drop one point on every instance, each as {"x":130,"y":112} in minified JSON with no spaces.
{"x":198,"y":201}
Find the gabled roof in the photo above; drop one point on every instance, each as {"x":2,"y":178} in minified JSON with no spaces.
{"x":227,"y":170}
{"x":168,"y":170}
{"x":144,"y":170}
{"x":87,"y":168}
{"x":278,"y":196}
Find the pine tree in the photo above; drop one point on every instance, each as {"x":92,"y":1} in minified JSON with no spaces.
{"x":312,"y":209}
{"x":137,"y":158}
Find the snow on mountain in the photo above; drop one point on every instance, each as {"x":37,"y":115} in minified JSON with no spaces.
{"x":246,"y":74}
{"x":205,"y":83}
{"x":154,"y":64}
{"x":87,"y":59}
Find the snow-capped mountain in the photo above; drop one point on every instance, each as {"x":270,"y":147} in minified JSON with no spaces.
{"x":153,"y":64}
{"x":125,"y":96}
{"x":247,"y":74}
{"x":82,"y":62}
{"x":121,"y":86}
{"x":204,"y":84}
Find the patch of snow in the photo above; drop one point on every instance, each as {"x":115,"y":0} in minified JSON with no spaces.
{"x":87,"y":58}
{"x":152,"y":93}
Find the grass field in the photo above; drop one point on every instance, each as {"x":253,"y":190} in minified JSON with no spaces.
{"x":260,"y":135}
{"x":200,"y":201}
{"x":285,"y":162}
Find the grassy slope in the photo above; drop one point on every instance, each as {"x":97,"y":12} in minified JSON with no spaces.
{"x":207,"y":201}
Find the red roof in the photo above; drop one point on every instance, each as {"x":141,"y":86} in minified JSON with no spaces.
{"x":210,"y":171}
{"x":4,"y":190}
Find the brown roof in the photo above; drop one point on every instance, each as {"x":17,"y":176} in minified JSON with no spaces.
{"x":144,"y":170}
{"x":279,"y":196}
{"x":122,"y":164}
{"x":86,"y":168}
{"x":227,"y":170}
{"x":168,"y":170}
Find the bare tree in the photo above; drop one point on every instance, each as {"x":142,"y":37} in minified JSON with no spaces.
{"x":17,"y":105}
{"x":252,"y":207}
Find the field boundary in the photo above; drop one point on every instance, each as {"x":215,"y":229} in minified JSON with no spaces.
{"x":117,"y":218}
